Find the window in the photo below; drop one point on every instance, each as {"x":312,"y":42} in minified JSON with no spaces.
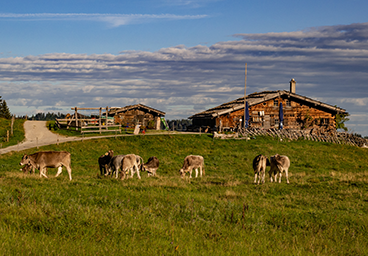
{"x":288,"y":103}
{"x":325,"y":121}
{"x":275,"y":103}
{"x":257,"y":119}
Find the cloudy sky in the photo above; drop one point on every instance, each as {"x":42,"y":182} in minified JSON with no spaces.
{"x":181,"y":56}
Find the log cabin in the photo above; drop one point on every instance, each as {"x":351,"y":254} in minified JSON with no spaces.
{"x":299,"y":112}
{"x":132,"y":115}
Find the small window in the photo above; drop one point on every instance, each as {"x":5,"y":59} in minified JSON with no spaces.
{"x":275,"y":103}
{"x":325,"y":121}
{"x":257,"y":119}
{"x":288,"y":103}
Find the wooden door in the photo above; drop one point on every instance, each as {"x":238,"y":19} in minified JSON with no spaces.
{"x":267,"y":122}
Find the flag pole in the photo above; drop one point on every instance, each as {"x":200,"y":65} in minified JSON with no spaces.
{"x":245,"y":93}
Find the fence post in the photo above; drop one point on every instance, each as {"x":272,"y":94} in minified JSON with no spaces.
{"x":107,"y":110}
{"x":99,"y":121}
{"x":7,"y":136}
{"x":12,"y":125}
{"x":76,"y":118}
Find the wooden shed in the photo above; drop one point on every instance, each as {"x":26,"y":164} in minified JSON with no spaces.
{"x":299,"y":112}
{"x":138,"y":114}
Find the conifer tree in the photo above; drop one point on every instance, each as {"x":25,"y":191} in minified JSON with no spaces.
{"x":340,"y":121}
{"x":4,"y":110}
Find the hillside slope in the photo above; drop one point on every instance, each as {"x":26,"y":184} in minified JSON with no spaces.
{"x":322,"y":211}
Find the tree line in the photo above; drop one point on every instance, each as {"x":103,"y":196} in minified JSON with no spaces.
{"x":47,"y":116}
{"x":179,"y":124}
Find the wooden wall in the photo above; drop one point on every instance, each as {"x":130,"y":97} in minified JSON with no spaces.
{"x":138,"y":116}
{"x":230,"y":120}
{"x":297,"y":115}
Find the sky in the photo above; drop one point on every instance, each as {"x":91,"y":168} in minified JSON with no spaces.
{"x":181,"y":56}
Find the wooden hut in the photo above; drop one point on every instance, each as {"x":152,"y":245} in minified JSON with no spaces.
{"x":138,"y":114}
{"x":299,"y":112}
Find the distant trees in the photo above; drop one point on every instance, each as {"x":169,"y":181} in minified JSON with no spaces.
{"x":47,"y":117}
{"x":180,"y":124}
{"x":4,"y":110}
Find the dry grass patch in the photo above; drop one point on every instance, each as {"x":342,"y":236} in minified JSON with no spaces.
{"x":233,"y":183}
{"x":229,"y":194}
{"x":350,"y":177}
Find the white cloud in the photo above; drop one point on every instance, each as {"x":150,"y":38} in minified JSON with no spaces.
{"x":189,"y":3}
{"x":114,"y":20}
{"x":356,"y":101}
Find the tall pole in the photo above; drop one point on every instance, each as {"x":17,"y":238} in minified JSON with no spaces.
{"x":245,"y":82}
{"x":245,"y":93}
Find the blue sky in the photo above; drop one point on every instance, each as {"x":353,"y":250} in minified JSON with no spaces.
{"x":181,"y":56}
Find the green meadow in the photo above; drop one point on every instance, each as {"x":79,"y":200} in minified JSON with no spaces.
{"x":18,"y":132}
{"x":323,"y":211}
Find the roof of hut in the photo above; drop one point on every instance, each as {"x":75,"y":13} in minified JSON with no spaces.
{"x":256,"y":98}
{"x":115,"y":111}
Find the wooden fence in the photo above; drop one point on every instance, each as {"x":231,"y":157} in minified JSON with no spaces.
{"x":337,"y":137}
{"x":89,"y":125}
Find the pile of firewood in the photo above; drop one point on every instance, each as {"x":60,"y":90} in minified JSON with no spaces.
{"x":332,"y":137}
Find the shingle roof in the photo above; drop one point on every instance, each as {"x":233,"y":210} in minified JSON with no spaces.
{"x":127,"y":108}
{"x":256,"y":98}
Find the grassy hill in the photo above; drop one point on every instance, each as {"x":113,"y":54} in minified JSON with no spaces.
{"x":18,"y":132}
{"x":323,"y":211}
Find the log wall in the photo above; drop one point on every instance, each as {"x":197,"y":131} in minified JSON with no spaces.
{"x":136,"y":116}
{"x":297,"y":115}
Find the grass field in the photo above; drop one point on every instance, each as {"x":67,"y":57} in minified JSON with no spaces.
{"x":18,"y":132}
{"x":323,"y":211}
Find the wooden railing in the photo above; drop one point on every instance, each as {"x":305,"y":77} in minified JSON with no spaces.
{"x":85,"y":125}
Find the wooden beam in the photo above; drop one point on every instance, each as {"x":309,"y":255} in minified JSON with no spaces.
{"x":86,"y":108}
{"x":76,"y":118}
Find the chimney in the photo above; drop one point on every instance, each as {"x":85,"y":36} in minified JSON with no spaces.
{"x":292,"y":85}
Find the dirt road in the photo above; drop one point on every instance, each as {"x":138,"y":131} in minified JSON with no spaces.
{"x":37,"y":135}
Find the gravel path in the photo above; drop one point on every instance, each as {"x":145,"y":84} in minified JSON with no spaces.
{"x":37,"y":135}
